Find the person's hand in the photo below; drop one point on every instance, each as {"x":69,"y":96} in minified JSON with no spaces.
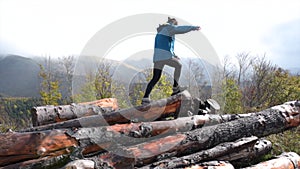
{"x":198,"y":28}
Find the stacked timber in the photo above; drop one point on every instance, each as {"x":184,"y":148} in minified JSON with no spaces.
{"x":99,"y":135}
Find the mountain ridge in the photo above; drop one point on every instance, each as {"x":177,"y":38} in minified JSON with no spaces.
{"x":19,"y":76}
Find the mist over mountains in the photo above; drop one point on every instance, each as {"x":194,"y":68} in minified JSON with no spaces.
{"x":19,"y":76}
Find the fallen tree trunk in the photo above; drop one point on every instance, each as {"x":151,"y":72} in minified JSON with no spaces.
{"x":230,"y":151}
{"x":44,"y":162}
{"x":260,"y":148}
{"x":16,"y":147}
{"x":96,"y":139}
{"x":150,"y":129}
{"x":89,"y":164}
{"x":270,"y":121}
{"x":51,"y":114}
{"x":212,"y":165}
{"x":151,"y":112}
{"x":289,"y":160}
{"x":80,"y":164}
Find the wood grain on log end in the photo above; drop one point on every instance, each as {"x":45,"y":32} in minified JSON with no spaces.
{"x":105,"y":103}
{"x":80,"y":164}
{"x":288,"y":160}
{"x":291,"y":112}
{"x":17,"y":147}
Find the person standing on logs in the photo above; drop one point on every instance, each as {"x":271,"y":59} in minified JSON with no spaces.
{"x":164,"y":55}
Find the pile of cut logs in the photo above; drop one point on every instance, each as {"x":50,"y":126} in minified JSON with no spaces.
{"x":169,"y":133}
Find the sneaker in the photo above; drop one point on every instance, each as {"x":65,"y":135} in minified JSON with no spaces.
{"x":178,"y":89}
{"x":145,"y":101}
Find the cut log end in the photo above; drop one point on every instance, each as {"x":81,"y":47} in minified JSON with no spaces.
{"x":288,"y":160}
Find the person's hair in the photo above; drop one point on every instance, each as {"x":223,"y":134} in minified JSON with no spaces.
{"x":171,"y":19}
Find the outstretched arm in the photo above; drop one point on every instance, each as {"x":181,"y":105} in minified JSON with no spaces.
{"x":182,"y":29}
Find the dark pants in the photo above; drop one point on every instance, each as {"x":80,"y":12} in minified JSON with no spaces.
{"x":158,"y":67}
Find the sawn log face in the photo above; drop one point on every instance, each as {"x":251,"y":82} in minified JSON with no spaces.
{"x":21,"y":146}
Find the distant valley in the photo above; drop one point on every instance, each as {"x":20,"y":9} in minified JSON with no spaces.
{"x":19,"y":76}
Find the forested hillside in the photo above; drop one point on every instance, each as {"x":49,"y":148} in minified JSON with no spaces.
{"x":251,"y":85}
{"x":15,"y":112}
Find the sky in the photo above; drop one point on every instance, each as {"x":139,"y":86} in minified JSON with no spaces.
{"x":63,"y":27}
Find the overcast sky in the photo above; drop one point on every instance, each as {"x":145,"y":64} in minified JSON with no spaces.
{"x":63,"y":27}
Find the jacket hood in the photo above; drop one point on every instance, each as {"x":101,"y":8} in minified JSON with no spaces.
{"x":161,"y":26}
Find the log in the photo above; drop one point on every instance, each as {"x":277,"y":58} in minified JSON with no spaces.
{"x":249,"y":147}
{"x":151,"y":129}
{"x":106,"y":103}
{"x":80,"y":164}
{"x":89,"y":164}
{"x":52,"y":114}
{"x":218,"y":152}
{"x":44,"y":162}
{"x":288,"y":160}
{"x":212,"y":165}
{"x":96,"y":139}
{"x":261,"y":147}
{"x":16,"y":147}
{"x":154,"y":111}
{"x":270,"y":121}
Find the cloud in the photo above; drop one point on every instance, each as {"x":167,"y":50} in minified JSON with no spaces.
{"x":9,"y":48}
{"x":284,"y":43}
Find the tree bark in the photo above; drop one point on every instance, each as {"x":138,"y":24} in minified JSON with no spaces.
{"x":51,"y":114}
{"x":249,"y":147}
{"x":212,"y":165}
{"x":96,"y":139}
{"x":270,"y":121}
{"x":59,"y":142}
{"x":44,"y":162}
{"x":289,"y":160}
{"x":154,"y":111}
{"x":260,"y":148}
{"x":16,"y":147}
{"x":80,"y":164}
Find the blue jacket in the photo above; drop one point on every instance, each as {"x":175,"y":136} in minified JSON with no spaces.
{"x":165,"y":38}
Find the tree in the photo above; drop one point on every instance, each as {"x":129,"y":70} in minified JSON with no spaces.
{"x":67,"y":63}
{"x":87,"y":91}
{"x":244,"y":63}
{"x":262,"y":84}
{"x":232,"y":96}
{"x":103,"y":79}
{"x":162,"y":89}
{"x":283,"y":87}
{"x":49,"y":92}
{"x":99,"y":84}
{"x":197,"y":78}
{"x":258,"y":90}
{"x":228,"y":68}
{"x":221,"y":76}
